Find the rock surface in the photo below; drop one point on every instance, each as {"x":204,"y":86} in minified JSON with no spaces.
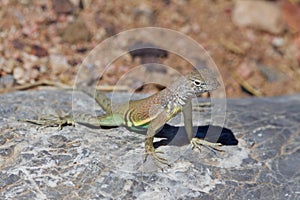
{"x":88,"y":163}
{"x":263,"y":15}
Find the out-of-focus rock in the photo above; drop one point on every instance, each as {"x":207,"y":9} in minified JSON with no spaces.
{"x":17,"y":44}
{"x":62,"y":6}
{"x":144,"y":14}
{"x":18,"y":74}
{"x":271,"y":74}
{"x":263,"y":15}
{"x":6,"y":82}
{"x":278,"y":41}
{"x":147,"y":52}
{"x":291,"y":14}
{"x":8,"y":65}
{"x":245,"y":70}
{"x":297,"y":41}
{"x":76,"y":32}
{"x":38,"y":51}
{"x":33,"y":73}
{"x":58,"y":63}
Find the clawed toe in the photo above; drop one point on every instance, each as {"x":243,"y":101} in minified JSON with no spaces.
{"x":58,"y":121}
{"x":157,"y":160}
{"x":198,"y":143}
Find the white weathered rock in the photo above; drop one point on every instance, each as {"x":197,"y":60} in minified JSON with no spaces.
{"x":58,"y":63}
{"x":259,"y":14}
{"x":18,"y":73}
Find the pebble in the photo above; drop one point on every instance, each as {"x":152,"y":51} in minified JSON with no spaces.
{"x":245,"y":70}
{"x":271,"y":74}
{"x":277,"y":41}
{"x":9,"y":65}
{"x":58,"y":63}
{"x":144,"y":14}
{"x":291,"y":14}
{"x":34,"y":74}
{"x":76,"y":32}
{"x":6,"y":82}
{"x":249,"y":13}
{"x":2,"y":140}
{"x":38,"y":51}
{"x":18,"y":73}
{"x":17,"y":44}
{"x":57,"y":141}
{"x":62,"y":6}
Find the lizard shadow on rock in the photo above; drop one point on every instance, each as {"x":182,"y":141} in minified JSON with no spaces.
{"x":177,"y":136}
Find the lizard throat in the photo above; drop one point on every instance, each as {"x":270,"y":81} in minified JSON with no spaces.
{"x":184,"y":98}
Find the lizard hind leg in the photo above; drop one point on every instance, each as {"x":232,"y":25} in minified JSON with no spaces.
{"x":58,"y":120}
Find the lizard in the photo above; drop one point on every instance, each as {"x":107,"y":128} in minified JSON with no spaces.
{"x":149,"y":114}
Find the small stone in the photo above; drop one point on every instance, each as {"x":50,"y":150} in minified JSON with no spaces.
{"x":263,"y":15}
{"x":62,"y":6}
{"x":18,"y":73}
{"x":297,"y":41}
{"x":6,"y":82}
{"x":76,"y":32}
{"x":17,"y":44}
{"x":2,"y":140}
{"x":291,"y":14}
{"x":148,"y":52}
{"x":57,"y":141}
{"x":38,"y":51}
{"x":34,"y":73}
{"x":245,"y":70}
{"x":277,"y":41}
{"x":6,"y":152}
{"x":85,"y":3}
{"x":58,"y":63}
{"x":298,"y":58}
{"x":185,"y":29}
{"x":144,"y":14}
{"x":272,"y":75}
{"x":25,"y":2}
{"x":8,"y":179}
{"x":9,"y":65}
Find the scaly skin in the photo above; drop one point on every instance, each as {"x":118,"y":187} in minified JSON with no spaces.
{"x":151,"y":113}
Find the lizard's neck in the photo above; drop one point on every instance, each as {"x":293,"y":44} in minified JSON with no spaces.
{"x":180,"y":93}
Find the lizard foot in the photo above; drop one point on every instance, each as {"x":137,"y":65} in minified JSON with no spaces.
{"x":158,"y":160}
{"x":52,"y":121}
{"x":197,"y":142}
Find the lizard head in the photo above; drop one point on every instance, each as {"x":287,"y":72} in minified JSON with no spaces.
{"x":201,"y":81}
{"x":194,"y":83}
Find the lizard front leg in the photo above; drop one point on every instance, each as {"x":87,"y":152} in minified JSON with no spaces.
{"x":198,"y":142}
{"x":188,"y":119}
{"x":188,"y":124}
{"x":150,"y":150}
{"x":153,"y":127}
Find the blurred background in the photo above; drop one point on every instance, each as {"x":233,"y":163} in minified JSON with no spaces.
{"x":255,"y":44}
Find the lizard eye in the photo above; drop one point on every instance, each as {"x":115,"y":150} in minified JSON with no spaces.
{"x":198,"y":83}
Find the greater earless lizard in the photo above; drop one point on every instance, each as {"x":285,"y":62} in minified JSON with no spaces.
{"x":151,"y":113}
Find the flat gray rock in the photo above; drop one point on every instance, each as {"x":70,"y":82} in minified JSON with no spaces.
{"x":92,"y":163}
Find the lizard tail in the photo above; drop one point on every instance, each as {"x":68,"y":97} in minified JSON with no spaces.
{"x":99,"y":97}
